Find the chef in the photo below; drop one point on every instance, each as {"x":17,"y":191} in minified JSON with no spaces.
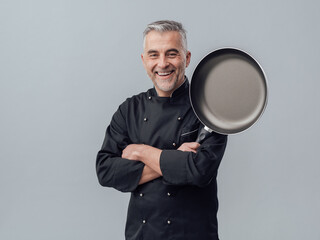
{"x":150,"y":150}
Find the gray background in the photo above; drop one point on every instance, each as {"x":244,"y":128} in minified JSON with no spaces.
{"x":66,"y":65}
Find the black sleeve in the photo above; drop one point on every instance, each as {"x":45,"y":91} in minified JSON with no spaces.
{"x":188,"y":168}
{"x":112,"y":170}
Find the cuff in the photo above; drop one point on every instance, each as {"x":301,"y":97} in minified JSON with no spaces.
{"x":129,"y":174}
{"x":173,"y":166}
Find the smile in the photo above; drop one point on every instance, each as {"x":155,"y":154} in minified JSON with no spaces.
{"x":164,"y":73}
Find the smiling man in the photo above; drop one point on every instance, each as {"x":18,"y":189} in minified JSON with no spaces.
{"x":149,"y":149}
{"x":165,"y":58}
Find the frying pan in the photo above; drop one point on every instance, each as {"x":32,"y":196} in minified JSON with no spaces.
{"x":228,"y":92}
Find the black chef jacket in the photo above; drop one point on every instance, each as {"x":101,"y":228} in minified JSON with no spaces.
{"x":182,"y":204}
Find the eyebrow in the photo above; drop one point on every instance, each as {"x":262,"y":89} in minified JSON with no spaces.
{"x":152,"y":51}
{"x":173,"y":50}
{"x":169,"y":50}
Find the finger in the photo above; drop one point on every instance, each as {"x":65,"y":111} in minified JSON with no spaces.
{"x":125,"y":154}
{"x":194,"y":145}
{"x":187,"y":149}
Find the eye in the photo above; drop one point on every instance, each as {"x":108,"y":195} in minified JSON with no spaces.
{"x":172,"y":54}
{"x":153,"y":55}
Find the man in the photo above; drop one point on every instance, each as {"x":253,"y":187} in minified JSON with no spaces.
{"x":149,"y":149}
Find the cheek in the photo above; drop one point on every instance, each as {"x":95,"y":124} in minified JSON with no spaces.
{"x":149,"y":66}
{"x":180,"y":65}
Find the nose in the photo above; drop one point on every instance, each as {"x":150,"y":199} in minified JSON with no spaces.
{"x":163,"y":63}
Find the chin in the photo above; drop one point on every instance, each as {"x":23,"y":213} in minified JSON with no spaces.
{"x":167,"y":84}
{"x":166,"y":87}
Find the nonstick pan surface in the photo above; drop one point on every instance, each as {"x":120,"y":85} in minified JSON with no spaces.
{"x":228,"y":91}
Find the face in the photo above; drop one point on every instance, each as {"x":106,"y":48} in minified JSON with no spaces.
{"x":165,"y":60}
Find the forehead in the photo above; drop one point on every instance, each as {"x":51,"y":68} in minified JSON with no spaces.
{"x":163,"y":40}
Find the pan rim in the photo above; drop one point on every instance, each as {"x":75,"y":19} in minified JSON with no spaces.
{"x":264,"y":78}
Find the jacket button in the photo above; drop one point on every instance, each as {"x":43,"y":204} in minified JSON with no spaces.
{"x":145,"y":119}
{"x":179,"y":118}
{"x":174,"y":144}
{"x":169,"y":194}
{"x":169,"y":222}
{"x":144,"y":221}
{"x":141,"y":194}
{"x":149,"y":97}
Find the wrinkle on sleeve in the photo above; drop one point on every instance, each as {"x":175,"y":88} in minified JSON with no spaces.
{"x":188,"y":168}
{"x":112,"y":170}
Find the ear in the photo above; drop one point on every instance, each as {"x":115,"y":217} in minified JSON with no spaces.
{"x":142,"y":59}
{"x":188,"y":58}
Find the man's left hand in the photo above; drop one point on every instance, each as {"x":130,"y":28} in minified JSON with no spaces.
{"x":132,"y":151}
{"x":141,"y":152}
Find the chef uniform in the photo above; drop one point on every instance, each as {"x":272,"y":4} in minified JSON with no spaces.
{"x":182,"y":204}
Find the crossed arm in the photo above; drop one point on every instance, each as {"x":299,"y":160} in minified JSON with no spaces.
{"x":150,"y":156}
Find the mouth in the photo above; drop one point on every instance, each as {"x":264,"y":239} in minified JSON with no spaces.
{"x":164,"y":74}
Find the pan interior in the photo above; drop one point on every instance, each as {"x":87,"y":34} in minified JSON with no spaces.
{"x":231,"y":92}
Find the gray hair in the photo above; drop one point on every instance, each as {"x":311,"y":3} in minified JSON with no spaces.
{"x":166,"y":26}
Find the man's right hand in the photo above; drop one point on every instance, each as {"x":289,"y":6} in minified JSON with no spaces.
{"x":189,"y":147}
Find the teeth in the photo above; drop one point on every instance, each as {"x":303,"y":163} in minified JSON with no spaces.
{"x":163,"y":73}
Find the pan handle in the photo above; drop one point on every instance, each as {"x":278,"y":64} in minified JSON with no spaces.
{"x":203,"y":134}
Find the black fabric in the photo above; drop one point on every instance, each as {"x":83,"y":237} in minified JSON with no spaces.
{"x":183,"y":203}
